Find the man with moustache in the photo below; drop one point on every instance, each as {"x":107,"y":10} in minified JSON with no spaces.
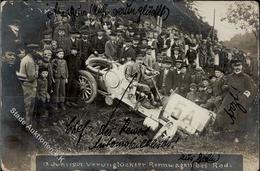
{"x":239,"y":94}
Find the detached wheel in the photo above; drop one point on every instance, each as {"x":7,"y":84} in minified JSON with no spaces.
{"x":88,"y":86}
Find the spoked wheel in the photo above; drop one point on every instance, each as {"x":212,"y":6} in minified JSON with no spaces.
{"x":88,"y":86}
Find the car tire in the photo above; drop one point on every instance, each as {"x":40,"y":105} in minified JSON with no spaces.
{"x":88,"y":92}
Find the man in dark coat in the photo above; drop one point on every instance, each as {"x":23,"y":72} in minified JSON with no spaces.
{"x":86,"y":48}
{"x":164,"y":43}
{"x":165,"y":78}
{"x":191,"y":54}
{"x":240,"y":93}
{"x":99,"y":42}
{"x":74,"y":40}
{"x":176,"y":56}
{"x":111,"y":47}
{"x":126,"y":52}
{"x":184,"y":81}
{"x":74,"y":63}
{"x":177,"y":74}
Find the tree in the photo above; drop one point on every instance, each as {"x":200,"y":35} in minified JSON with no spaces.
{"x":244,"y":14}
{"x":245,"y":42}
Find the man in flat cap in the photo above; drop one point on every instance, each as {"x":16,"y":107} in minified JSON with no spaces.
{"x":28,"y":75}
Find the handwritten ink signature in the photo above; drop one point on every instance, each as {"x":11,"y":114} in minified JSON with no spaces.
{"x":104,"y":129}
{"x":233,"y":106}
{"x":74,"y":126}
{"x":201,"y":158}
{"x":127,"y":129}
{"x":144,"y":10}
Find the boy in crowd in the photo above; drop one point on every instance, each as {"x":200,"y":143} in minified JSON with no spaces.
{"x":193,"y":95}
{"x":204,"y":92}
{"x":60,"y":74}
{"x":42,"y":95}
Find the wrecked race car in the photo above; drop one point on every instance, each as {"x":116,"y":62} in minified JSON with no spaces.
{"x":109,"y":79}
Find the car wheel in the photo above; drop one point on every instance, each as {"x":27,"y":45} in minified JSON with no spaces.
{"x":88,"y":86}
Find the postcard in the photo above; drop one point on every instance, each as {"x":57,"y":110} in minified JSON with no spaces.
{"x":123,"y":85}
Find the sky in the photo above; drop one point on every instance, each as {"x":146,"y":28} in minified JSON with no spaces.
{"x":225,"y":29}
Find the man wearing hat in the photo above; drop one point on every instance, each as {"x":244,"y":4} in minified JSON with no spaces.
{"x":74,"y":64}
{"x":183,"y":81}
{"x":176,"y":56}
{"x":46,"y":42}
{"x":191,"y":54}
{"x":28,"y":75}
{"x":240,"y":93}
{"x":164,"y":43}
{"x":165,"y":79}
{"x":217,"y":91}
{"x":136,"y":44}
{"x":111,"y":47}
{"x":86,"y":48}
{"x":143,"y":80}
{"x":126,"y":52}
{"x":74,"y":40}
{"x":202,"y":53}
{"x":86,"y":26}
{"x":99,"y":42}
{"x":62,"y":38}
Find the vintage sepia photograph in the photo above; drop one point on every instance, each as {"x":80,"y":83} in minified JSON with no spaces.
{"x":123,"y":85}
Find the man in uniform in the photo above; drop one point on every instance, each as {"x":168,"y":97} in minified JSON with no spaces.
{"x":240,"y":93}
{"x":28,"y":74}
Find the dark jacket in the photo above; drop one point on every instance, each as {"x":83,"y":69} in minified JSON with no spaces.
{"x":124,"y":53}
{"x":99,"y":44}
{"x":60,"y":68}
{"x":111,"y":50}
{"x":191,"y":55}
{"x":184,"y":84}
{"x":74,"y":64}
{"x":169,"y":81}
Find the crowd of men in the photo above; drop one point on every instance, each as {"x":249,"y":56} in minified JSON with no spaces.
{"x":196,"y":67}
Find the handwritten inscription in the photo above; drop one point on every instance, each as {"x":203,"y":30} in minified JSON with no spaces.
{"x":103,"y":10}
{"x":75,"y":127}
{"x":234,"y":106}
{"x":201,"y":158}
